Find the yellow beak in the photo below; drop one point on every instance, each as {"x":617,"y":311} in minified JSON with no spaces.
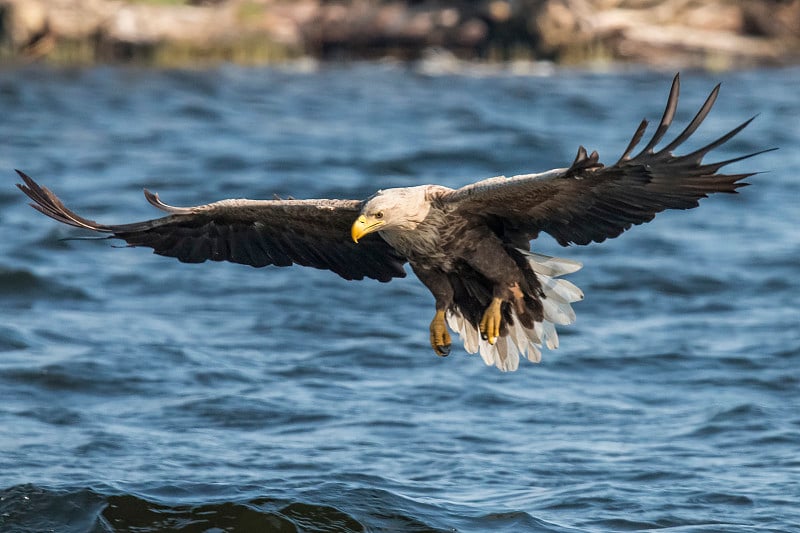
{"x":363,"y":226}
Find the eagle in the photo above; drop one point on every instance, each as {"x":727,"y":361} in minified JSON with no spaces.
{"x":469,"y":246}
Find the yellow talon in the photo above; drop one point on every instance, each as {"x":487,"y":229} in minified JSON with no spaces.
{"x":490,"y":323}
{"x":440,"y":338}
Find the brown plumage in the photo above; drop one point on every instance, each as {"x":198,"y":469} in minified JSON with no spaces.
{"x":251,"y":232}
{"x":469,"y":246}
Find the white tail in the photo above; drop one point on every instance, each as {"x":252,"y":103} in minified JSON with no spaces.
{"x":527,"y":342}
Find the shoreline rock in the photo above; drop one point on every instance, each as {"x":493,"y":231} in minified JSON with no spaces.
{"x":714,"y":34}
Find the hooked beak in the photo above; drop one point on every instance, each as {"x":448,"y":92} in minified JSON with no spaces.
{"x":363,"y":226}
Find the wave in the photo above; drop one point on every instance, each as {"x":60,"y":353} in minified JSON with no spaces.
{"x":31,"y":508}
{"x":24,"y":284}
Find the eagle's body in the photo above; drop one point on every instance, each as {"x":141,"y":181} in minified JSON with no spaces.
{"x":467,"y":264}
{"x":469,"y":246}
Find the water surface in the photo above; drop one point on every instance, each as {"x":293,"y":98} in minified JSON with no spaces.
{"x":141,"y":394}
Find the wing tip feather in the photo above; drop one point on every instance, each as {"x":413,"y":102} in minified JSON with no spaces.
{"x":154,"y":200}
{"x":47,"y":203}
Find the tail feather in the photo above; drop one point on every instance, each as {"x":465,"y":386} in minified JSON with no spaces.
{"x":516,"y":340}
{"x":561,"y":290}
{"x":558,"y":312}
{"x":551,"y":266}
{"x":550,"y":335}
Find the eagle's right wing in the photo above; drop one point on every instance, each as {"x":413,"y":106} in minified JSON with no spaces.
{"x":312,"y":233}
{"x":592,"y":202}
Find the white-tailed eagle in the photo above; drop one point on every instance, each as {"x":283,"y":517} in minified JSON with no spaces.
{"x":469,"y":246}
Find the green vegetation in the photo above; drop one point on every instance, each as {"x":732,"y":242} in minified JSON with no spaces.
{"x":245,"y":50}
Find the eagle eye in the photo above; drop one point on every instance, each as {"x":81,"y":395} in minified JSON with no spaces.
{"x":379,"y":215}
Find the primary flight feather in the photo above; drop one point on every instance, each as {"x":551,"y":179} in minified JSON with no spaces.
{"x":469,"y":246}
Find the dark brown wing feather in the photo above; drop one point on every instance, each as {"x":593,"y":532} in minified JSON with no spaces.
{"x":312,"y":233}
{"x":591,"y":202}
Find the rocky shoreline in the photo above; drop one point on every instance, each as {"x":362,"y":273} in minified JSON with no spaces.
{"x":715,"y":34}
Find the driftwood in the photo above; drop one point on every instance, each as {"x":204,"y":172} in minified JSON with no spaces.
{"x":714,"y":33}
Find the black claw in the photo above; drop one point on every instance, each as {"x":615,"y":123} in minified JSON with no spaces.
{"x":484,"y":336}
{"x":443,"y":350}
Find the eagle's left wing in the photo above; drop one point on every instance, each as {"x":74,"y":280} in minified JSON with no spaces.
{"x":591,"y":202}
{"x":312,"y":233}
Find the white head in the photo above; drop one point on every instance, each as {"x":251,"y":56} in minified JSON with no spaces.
{"x":392,"y":209}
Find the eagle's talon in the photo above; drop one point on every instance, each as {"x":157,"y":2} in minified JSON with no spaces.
{"x":440,"y":338}
{"x":490,"y":323}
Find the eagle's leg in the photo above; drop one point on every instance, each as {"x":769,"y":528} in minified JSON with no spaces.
{"x":440,"y":338}
{"x":493,"y":262}
{"x":438,"y":283}
{"x":493,"y":316}
{"x":490,"y":323}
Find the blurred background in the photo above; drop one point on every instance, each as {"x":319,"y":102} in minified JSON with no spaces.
{"x":713,"y":34}
{"x":139,"y":394}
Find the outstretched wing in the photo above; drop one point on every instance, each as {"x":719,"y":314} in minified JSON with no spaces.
{"x":252,"y":232}
{"x":591,"y":202}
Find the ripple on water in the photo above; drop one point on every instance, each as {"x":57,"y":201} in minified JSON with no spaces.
{"x":24,"y":286}
{"x":55,"y":415}
{"x":245,"y":413}
{"x":79,"y":376}
{"x":32,"y":508}
{"x":12,"y":338}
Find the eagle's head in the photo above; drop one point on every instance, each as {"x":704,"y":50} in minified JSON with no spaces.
{"x":392,"y":209}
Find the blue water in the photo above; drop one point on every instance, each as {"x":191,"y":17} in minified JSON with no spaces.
{"x":141,"y":394}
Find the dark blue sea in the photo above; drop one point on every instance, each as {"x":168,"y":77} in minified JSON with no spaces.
{"x":139,"y":394}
